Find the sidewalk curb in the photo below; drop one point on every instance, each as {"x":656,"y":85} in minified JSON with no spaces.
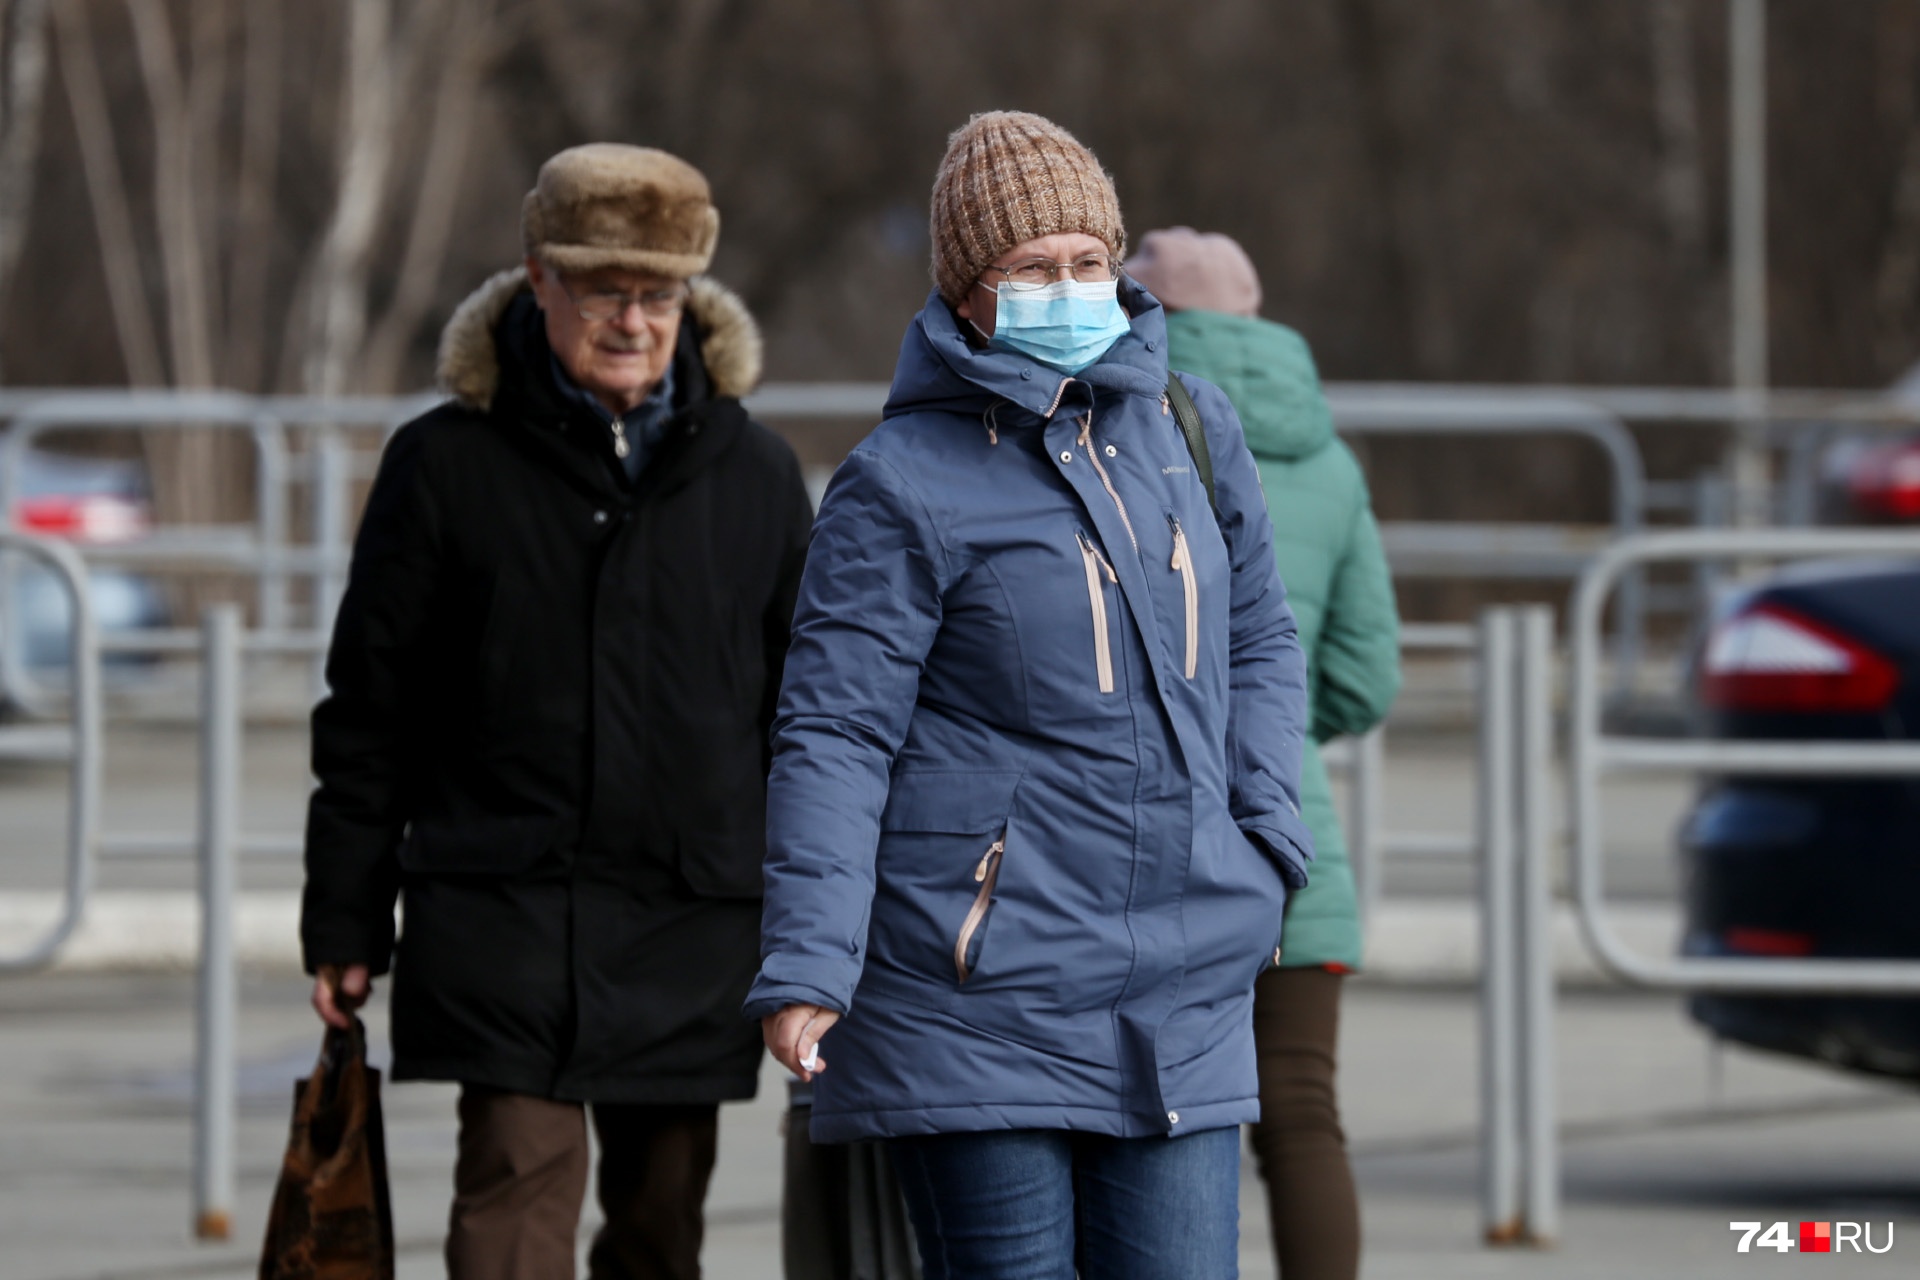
{"x":1411,"y":941}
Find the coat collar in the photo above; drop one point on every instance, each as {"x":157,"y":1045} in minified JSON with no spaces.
{"x":940,"y":368}
{"x":469,"y":362}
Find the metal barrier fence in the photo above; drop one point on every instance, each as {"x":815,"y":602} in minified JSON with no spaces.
{"x":1519,"y":1151}
{"x":1363,"y":761}
{"x":78,"y":743}
{"x":265,"y":549}
{"x":1593,"y":753}
{"x":274,"y":557}
{"x":1521,"y":1163}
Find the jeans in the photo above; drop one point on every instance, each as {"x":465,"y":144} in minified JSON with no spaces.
{"x":1037,"y":1204}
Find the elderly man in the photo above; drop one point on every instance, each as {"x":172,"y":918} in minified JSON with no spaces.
{"x":551,"y":682}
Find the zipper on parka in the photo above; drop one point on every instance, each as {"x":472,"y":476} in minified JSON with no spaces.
{"x":1093,"y":456}
{"x":986,"y":874}
{"x":1189,"y":590}
{"x":620,"y":446}
{"x":1095,"y":564}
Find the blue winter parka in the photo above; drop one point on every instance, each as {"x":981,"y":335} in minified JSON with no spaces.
{"x":1033,"y":809}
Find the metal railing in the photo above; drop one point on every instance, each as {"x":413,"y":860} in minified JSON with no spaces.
{"x":262,"y":548}
{"x":1594,"y":753}
{"x":1416,"y":548}
{"x":1519,"y":1139}
{"x":1363,"y":762}
{"x":78,"y":743}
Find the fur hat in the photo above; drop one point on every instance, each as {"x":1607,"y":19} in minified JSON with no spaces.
{"x":1009,"y":177}
{"x":610,"y":205}
{"x":1190,"y":270}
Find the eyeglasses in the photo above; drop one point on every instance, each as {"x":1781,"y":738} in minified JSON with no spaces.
{"x":607,"y":305}
{"x":1038,"y":273}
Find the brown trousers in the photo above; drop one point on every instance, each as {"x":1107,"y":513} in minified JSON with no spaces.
{"x":1302,"y":1153}
{"x":522,"y":1174}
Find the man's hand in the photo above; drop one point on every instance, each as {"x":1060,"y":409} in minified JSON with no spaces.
{"x":338,"y":990}
{"x":793,"y":1037}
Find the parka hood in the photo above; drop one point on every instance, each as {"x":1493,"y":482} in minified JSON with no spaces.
{"x":469,"y":364}
{"x":1267,"y":371}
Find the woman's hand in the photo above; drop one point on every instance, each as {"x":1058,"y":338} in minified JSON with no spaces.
{"x":793,"y":1037}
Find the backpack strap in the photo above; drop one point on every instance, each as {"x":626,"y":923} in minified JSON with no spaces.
{"x":1187,"y":414}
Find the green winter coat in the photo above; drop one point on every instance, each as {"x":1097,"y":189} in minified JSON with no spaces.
{"x":1335,"y":570}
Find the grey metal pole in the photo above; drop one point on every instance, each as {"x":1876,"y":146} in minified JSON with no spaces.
{"x":1747,"y":211}
{"x":1500,"y":1203}
{"x":270,"y":515}
{"x":1363,"y":820}
{"x":1539,"y":1119}
{"x":214,"y":1041}
{"x":331,"y":500}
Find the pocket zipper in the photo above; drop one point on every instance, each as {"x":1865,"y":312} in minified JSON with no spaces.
{"x":1095,"y":563}
{"x":986,"y":875}
{"x":1190,"y":589}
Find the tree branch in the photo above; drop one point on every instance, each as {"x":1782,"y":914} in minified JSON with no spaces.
{"x":366,"y":149}
{"x":431,"y":228}
{"x":107,"y":193}
{"x":26,"y":71}
{"x":175,"y":216}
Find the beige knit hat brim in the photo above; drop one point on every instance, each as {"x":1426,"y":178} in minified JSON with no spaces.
{"x":1009,"y":177}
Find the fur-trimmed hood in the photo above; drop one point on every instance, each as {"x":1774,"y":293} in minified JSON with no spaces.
{"x":469,"y":367}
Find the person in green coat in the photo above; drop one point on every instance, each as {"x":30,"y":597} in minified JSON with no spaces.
{"x":1335,"y":571}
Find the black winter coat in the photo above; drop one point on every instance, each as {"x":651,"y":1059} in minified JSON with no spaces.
{"x":546,"y":730}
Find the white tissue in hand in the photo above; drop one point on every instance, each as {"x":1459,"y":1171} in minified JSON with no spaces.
{"x":812,"y":1060}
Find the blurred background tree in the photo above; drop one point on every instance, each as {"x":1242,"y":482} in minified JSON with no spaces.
{"x":293,"y":195}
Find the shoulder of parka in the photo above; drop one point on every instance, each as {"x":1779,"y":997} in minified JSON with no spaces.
{"x":469,"y":367}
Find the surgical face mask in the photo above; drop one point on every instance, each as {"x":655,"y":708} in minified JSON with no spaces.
{"x":1066,"y":325}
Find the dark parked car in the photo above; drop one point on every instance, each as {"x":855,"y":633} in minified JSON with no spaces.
{"x":1780,"y":866}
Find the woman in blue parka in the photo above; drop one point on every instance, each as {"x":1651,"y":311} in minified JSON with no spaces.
{"x":1033,"y":812}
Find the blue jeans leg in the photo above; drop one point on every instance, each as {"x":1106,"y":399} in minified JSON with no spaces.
{"x":990,"y":1206}
{"x":1041,"y":1204}
{"x":1159,"y":1208}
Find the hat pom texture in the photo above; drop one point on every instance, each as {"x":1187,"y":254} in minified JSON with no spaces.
{"x":1009,"y":177}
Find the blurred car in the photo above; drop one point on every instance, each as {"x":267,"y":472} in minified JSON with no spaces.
{"x":84,"y":500}
{"x":1780,"y":866}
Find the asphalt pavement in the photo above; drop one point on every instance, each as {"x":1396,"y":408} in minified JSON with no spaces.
{"x":1666,"y":1141}
{"x":1666,"y":1138}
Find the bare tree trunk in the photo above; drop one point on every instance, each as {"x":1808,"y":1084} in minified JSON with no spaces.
{"x":206,"y":95}
{"x":26,"y":73}
{"x":431,"y":227}
{"x":339,"y":297}
{"x":1683,"y":180}
{"x":258,"y":173}
{"x":199,"y":476}
{"x":1898,"y":276}
{"x":1385,"y":157}
{"x":181,"y":253}
{"x":107,"y":193}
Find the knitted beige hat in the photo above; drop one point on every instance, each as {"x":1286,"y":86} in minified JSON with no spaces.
{"x":610,"y":205}
{"x":1192,"y":270}
{"x":1007,"y":178}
